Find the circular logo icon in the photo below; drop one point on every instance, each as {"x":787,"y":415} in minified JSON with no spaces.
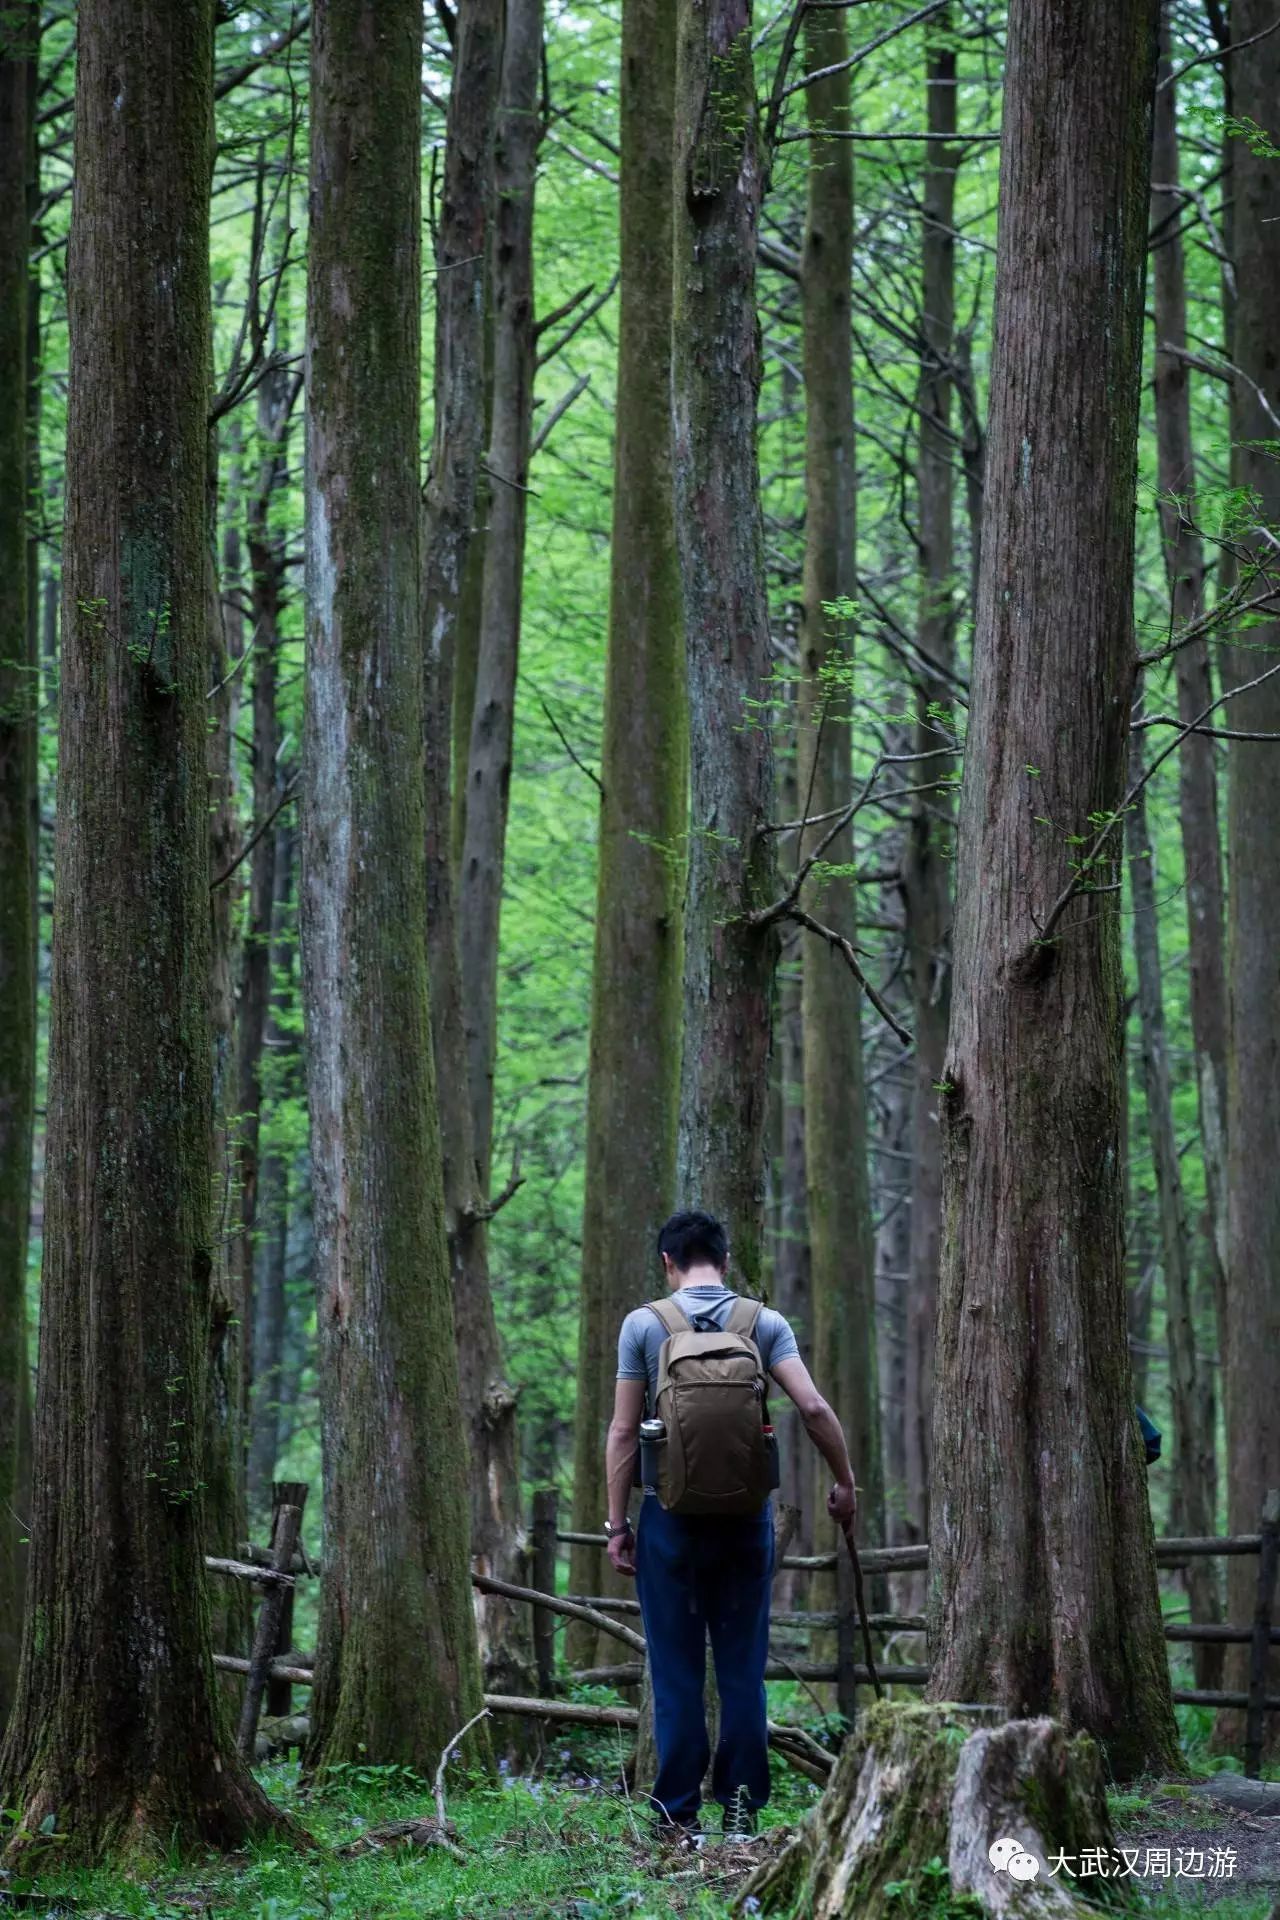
{"x":1011,"y":1857}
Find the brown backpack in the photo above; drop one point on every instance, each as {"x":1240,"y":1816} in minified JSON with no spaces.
{"x":711,"y":1397}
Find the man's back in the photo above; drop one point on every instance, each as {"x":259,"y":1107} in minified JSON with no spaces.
{"x":640,"y":1340}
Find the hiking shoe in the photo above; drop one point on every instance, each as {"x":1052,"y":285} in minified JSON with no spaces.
{"x":739,"y":1818}
{"x":677,"y":1833}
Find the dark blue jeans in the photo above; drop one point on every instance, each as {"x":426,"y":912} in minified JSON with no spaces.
{"x":696,"y":1576}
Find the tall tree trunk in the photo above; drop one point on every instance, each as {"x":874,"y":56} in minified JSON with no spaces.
{"x":488,"y":772}
{"x":927,"y":854}
{"x":271,"y":1238}
{"x":19,"y":903}
{"x":633,"y":1086}
{"x":729,"y":961}
{"x":1192,"y":1448}
{"x":297,"y":1246}
{"x":841,"y":1243}
{"x":275,"y":397}
{"x":230,"y":1328}
{"x":1197,"y":755}
{"x":1253,"y":851}
{"x":488,"y":1402}
{"x":116,"y":1733}
{"x":791,"y":1251}
{"x":1042,"y":1577}
{"x":891,"y":1202}
{"x":396,"y":1664}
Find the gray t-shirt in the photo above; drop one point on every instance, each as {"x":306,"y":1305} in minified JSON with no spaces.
{"x":642,"y":1335}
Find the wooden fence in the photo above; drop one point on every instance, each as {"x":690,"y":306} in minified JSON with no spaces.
{"x":273,"y":1668}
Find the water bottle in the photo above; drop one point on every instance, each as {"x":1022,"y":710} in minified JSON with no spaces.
{"x":653,"y":1437}
{"x":772,"y":1456}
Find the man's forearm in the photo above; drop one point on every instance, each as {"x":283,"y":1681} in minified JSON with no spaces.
{"x":827,"y":1436}
{"x":619,"y":1467}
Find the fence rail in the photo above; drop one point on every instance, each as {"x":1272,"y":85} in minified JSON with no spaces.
{"x":276,"y":1668}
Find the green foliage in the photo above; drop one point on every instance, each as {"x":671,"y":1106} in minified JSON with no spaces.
{"x":931,"y":1897}
{"x":533,"y":1848}
{"x":258,"y":242}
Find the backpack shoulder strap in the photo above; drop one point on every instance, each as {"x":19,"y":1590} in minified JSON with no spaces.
{"x":743,"y":1315}
{"x":672,"y":1318}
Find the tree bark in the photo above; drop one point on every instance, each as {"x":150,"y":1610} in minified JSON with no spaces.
{"x":266,"y":553}
{"x":1192,"y":1450}
{"x":19,"y":815}
{"x":1042,"y":1576}
{"x":926,"y":886}
{"x":229,"y":1323}
{"x":116,"y":1733}
{"x":487,"y":1400}
{"x":270,"y":1298}
{"x":791,"y":1251}
{"x":1253,"y":853}
{"x":396,"y":1668}
{"x":1198,"y":754}
{"x":841,"y":1244}
{"x":488,"y":771}
{"x":633,"y":1085}
{"x":918,"y":1786}
{"x":729,"y":962}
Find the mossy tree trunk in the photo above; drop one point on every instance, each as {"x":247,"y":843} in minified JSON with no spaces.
{"x":1198,"y":754}
{"x":926,"y":864}
{"x":916,"y":1800}
{"x":396,"y":1665}
{"x":488,"y":768}
{"x":1198,"y":808}
{"x":790,"y":1290}
{"x":270,"y":1299}
{"x":487,"y":1400}
{"x":116,"y":1732}
{"x":1042,"y":1577}
{"x":841,"y":1242}
{"x":230,"y":1601}
{"x":1253,"y":850}
{"x":266,"y":585}
{"x":19,"y":817}
{"x":1192,"y":1458}
{"x":634,"y":1076}
{"x":729,"y":961}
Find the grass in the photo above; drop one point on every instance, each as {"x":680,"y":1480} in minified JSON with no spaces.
{"x":565,"y":1846}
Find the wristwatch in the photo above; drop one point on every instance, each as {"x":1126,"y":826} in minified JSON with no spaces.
{"x":611,"y":1532}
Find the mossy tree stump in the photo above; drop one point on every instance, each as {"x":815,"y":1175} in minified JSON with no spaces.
{"x":923,"y":1788}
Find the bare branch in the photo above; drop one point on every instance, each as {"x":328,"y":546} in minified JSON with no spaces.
{"x":845,"y":949}
{"x":558,"y":412}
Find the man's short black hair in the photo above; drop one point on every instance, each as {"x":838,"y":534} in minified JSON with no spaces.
{"x":694,"y":1240}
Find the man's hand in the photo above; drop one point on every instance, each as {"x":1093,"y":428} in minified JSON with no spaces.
{"x":622,"y":1552}
{"x":842,"y":1502}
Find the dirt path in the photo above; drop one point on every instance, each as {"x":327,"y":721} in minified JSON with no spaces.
{"x":1204,"y":1843}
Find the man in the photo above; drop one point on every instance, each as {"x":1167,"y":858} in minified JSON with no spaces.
{"x":700,"y":1573}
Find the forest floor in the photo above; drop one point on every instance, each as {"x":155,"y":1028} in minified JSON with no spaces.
{"x":566,"y":1844}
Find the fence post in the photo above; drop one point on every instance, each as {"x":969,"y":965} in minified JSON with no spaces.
{"x":284,"y":1493}
{"x":288,"y":1522}
{"x":1260,"y":1647}
{"x":847,"y":1648}
{"x":546,"y":1509}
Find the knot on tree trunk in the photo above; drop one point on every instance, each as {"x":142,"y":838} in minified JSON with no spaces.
{"x":1033,"y":965}
{"x":498,"y":1405}
{"x":917,"y":1802}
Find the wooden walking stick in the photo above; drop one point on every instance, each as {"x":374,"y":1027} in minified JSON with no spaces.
{"x":846,"y":1528}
